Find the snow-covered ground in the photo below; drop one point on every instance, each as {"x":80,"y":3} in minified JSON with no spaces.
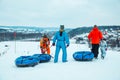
{"x":107,"y":69}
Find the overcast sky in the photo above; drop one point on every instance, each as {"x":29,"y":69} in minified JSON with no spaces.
{"x":52,"y":13}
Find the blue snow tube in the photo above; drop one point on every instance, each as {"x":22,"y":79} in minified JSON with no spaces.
{"x":83,"y":56}
{"x":26,"y":61}
{"x":43,"y":57}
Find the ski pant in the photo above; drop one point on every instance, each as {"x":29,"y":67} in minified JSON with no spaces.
{"x":103,"y":52}
{"x":60,"y":45}
{"x":95,"y":50}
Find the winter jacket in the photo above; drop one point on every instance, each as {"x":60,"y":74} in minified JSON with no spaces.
{"x":95,"y":36}
{"x":103,"y":44}
{"x":64,"y":38}
{"x":62,"y":42}
{"x":44,"y":45}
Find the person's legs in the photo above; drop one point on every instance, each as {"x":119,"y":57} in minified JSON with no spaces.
{"x":103,"y":53}
{"x":56,"y":54}
{"x":93,"y":49}
{"x":96,"y":48}
{"x":64,"y":55}
{"x":48,"y":50}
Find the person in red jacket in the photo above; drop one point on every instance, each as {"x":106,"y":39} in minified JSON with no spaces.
{"x":95,"y":36}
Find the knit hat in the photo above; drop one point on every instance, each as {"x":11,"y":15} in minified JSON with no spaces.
{"x":61,"y":27}
{"x":44,"y":35}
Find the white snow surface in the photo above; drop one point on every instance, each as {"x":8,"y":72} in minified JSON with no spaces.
{"x":107,"y":69}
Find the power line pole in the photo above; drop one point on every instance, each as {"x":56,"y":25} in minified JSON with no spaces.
{"x":15,"y":41}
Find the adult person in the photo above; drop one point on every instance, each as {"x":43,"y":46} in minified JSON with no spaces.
{"x":62,"y":43}
{"x":95,"y":36}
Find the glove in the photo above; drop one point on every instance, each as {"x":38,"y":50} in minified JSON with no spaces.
{"x":40,"y":46}
{"x":67,"y":45}
{"x":53,"y":44}
{"x":106,"y":49}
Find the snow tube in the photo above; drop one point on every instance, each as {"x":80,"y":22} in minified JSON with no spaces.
{"x":83,"y":56}
{"x":43,"y":57}
{"x":26,"y":61}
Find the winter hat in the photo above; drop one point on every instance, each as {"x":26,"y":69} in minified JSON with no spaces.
{"x":61,"y":27}
{"x":95,"y":27}
{"x":44,"y":35}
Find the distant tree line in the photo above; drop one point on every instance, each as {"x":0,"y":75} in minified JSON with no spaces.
{"x":7,"y":36}
{"x":81,"y":30}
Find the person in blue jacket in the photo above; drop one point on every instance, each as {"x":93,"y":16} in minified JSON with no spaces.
{"x":62,"y":42}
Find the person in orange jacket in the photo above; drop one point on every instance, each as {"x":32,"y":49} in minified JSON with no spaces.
{"x":45,"y":44}
{"x":95,"y":36}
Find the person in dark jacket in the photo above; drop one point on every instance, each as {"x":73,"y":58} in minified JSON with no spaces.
{"x":95,"y":36}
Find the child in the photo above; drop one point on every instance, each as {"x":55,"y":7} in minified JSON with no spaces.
{"x":45,"y":44}
{"x":103,"y":48}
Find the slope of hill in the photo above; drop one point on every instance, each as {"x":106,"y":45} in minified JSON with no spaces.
{"x":107,"y":69}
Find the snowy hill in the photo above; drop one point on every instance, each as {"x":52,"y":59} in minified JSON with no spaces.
{"x":26,"y":32}
{"x":107,"y":69}
{"x":29,"y":29}
{"x":82,"y":30}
